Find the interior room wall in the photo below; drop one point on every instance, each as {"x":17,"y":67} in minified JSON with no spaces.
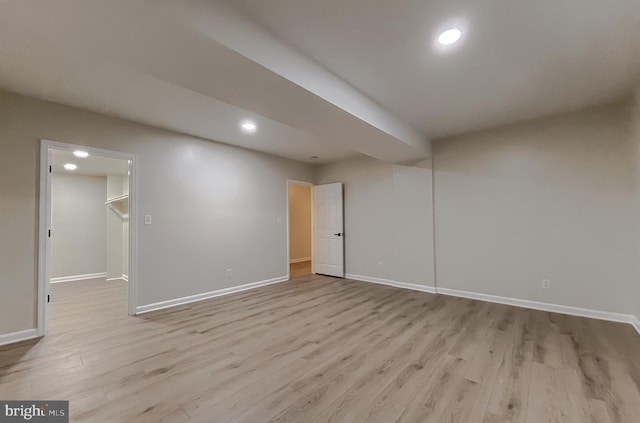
{"x":388,"y":219}
{"x":114,"y":242}
{"x":214,"y":206}
{"x":636,"y":156}
{"x":547,"y":199}
{"x":78,"y":223}
{"x":115,"y":186}
{"x":125,"y":229}
{"x":299,"y":222}
{"x":115,"y":230}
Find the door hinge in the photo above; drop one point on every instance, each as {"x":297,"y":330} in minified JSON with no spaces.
{"x":49,"y":169}
{"x":48,"y":298}
{"x":49,"y":233}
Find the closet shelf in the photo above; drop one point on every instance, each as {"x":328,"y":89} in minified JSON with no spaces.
{"x":117,"y":199}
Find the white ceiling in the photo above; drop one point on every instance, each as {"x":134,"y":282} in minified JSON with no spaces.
{"x":93,"y":165}
{"x":321,"y":78}
{"x":519,"y":59}
{"x":150,"y":62}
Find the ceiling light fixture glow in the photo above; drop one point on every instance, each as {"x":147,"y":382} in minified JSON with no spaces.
{"x":70,"y":166}
{"x":450,"y":36}
{"x":248,"y":126}
{"x":81,"y":154}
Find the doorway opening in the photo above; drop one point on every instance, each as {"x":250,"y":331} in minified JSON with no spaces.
{"x":86,"y":265}
{"x":300,"y":232}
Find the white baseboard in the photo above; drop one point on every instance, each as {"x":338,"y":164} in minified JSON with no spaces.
{"x":299,"y":260}
{"x":535,"y":305}
{"x":206,"y":295}
{"x":119,"y":278}
{"x":23,"y":335}
{"x":380,"y":281}
{"x":79,"y":277}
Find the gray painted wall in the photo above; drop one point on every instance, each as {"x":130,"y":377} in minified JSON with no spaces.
{"x":388,"y":219}
{"x":214,"y":206}
{"x":550,"y":198}
{"x":78,"y":222}
{"x":636,"y":158}
{"x":117,"y":228}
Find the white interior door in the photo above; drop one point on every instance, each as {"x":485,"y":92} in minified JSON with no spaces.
{"x":328,"y":234}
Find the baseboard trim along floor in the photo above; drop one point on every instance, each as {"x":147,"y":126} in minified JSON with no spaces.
{"x":206,"y":295}
{"x":535,"y":305}
{"x":389,"y":282}
{"x":23,"y":335}
{"x":79,"y":277}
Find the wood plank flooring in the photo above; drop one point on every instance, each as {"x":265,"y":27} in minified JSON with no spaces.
{"x":300,"y":269}
{"x":317,"y":349}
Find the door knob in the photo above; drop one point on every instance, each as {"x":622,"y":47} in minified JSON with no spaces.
{"x":338,"y":234}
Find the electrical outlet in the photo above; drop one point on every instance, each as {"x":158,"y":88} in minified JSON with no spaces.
{"x":279,"y":220}
{"x":546,"y":284}
{"x":147,"y":219}
{"x":381,"y":265}
{"x":228,"y":273}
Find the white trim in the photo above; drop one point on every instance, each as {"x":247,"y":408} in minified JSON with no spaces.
{"x":117,"y":211}
{"x":125,"y":277}
{"x":388,"y":282}
{"x":45,"y":224}
{"x":132,"y":276}
{"x":23,"y":335}
{"x":535,"y":305}
{"x":44,"y":242}
{"x":206,"y":295}
{"x":300,"y":260}
{"x":79,"y":277}
{"x":117,"y":199}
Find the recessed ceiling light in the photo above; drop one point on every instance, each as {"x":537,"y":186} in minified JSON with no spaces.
{"x":248,"y":126}
{"x":70,"y":166}
{"x":450,"y":36}
{"x":81,"y":154}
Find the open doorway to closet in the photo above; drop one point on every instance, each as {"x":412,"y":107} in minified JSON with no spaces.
{"x":300,"y":204}
{"x":85,"y":237}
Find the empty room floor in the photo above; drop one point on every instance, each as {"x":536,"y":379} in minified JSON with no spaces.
{"x":319,"y":349}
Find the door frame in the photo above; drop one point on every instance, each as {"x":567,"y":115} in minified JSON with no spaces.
{"x":310,"y":185}
{"x":44,"y":224}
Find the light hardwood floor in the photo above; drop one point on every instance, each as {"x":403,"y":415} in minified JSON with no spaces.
{"x":318,"y":349}
{"x":300,"y":269}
